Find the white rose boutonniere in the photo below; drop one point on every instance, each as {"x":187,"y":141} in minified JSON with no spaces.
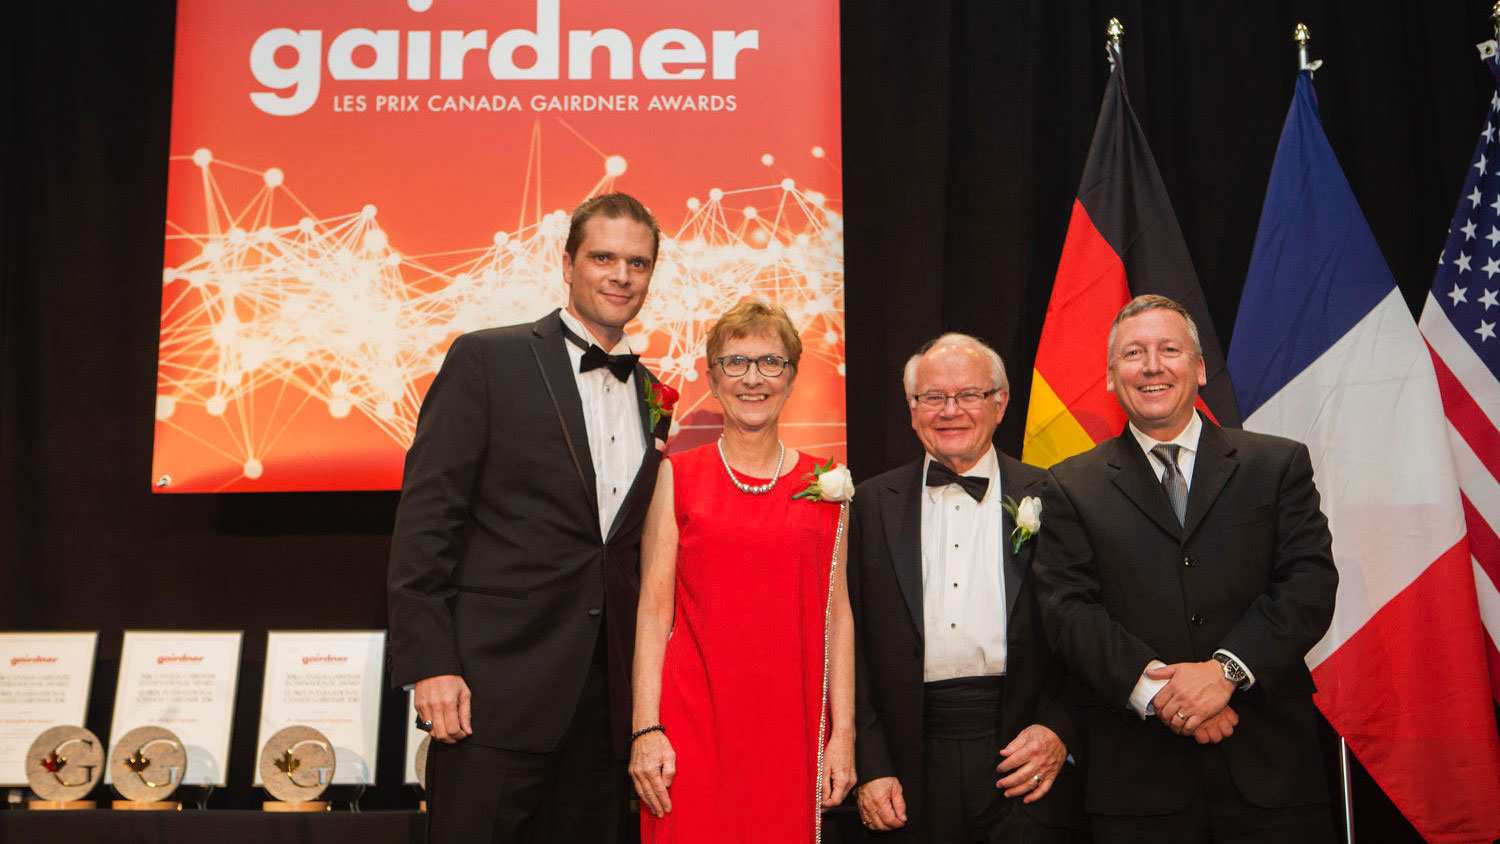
{"x":1028,"y":517}
{"x":828,"y":483}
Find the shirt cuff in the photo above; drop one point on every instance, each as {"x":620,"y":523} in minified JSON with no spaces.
{"x":1146,"y":689}
{"x":1249,"y":675}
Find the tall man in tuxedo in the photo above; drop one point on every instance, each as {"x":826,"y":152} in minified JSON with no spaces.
{"x":962,"y":734}
{"x":1184,"y":574}
{"x":514,"y":565}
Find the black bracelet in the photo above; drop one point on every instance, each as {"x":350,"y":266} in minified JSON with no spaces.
{"x":651,"y":729}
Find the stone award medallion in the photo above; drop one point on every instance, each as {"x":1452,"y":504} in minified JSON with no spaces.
{"x":421,"y":762}
{"x":148,"y":764}
{"x":64,"y":764}
{"x":296,"y":764}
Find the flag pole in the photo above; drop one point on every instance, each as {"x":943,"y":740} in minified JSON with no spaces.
{"x":1117,"y":29}
{"x":1302,"y":37}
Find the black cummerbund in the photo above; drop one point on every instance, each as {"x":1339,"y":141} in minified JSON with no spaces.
{"x":962,"y":708}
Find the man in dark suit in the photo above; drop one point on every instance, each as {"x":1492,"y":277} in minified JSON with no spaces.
{"x":962,"y":734}
{"x":514,"y":566}
{"x":1184,"y":574}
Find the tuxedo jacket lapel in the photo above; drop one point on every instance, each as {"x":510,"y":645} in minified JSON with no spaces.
{"x":1211,"y":470}
{"x":901,"y":516}
{"x":1132,"y":474}
{"x":549,"y":348}
{"x":1014,"y":564}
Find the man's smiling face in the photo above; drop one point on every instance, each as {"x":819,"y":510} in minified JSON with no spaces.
{"x":1155,"y":372}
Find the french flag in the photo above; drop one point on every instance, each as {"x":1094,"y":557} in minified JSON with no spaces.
{"x":1325,"y":351}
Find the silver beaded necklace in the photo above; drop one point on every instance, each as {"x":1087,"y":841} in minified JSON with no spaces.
{"x":762,"y":489}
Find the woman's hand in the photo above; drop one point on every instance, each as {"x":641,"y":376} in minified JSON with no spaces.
{"x":838,"y":766}
{"x":653,"y":766}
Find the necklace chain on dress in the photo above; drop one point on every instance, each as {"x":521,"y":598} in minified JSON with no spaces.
{"x":762,"y":489}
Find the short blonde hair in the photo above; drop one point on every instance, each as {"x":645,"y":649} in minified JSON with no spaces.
{"x":753,"y":316}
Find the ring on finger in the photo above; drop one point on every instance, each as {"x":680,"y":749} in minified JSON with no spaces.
{"x":1181,"y":715}
{"x":1036,"y":779}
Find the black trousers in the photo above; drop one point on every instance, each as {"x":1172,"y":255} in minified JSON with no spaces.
{"x":1218,"y":814}
{"x":576,"y":793}
{"x":960,"y":750}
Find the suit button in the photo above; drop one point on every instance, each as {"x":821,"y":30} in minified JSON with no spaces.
{"x":1197,"y":620}
{"x":1188,"y":561}
{"x":593,"y":612}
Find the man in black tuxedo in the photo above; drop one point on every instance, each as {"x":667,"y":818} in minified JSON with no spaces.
{"x":1184,"y":574}
{"x":962,"y":733}
{"x":514,"y":566}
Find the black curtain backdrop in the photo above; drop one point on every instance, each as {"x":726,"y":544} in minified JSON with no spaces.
{"x":966,"y":125}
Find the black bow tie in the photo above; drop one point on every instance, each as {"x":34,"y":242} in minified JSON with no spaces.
{"x":619,"y":366}
{"x":594,"y":357}
{"x":940,"y":475}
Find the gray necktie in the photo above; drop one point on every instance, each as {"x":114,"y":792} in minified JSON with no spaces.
{"x":1172,"y":480}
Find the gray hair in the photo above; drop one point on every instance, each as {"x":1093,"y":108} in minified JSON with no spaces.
{"x":1151,"y":302}
{"x":962,"y":341}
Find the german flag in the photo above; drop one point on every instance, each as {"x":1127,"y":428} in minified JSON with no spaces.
{"x":1123,"y":241}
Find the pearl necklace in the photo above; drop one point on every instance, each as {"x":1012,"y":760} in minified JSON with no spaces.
{"x":747,"y":488}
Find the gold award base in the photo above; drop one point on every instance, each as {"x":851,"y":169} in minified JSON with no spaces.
{"x":305,"y":806}
{"x":50,"y":805}
{"x":147,"y":806}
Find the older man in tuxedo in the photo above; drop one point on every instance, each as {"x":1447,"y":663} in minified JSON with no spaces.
{"x":514,"y":565}
{"x":1185,"y":572}
{"x":962,"y":733}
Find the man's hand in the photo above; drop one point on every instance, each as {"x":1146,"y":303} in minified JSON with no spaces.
{"x":444,"y":700}
{"x":1031,"y":762}
{"x":1217,"y":728}
{"x":653,"y":766}
{"x":881,"y":804}
{"x":1194,"y":693}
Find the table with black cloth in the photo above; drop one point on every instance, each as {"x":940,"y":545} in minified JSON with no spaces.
{"x":220,"y":826}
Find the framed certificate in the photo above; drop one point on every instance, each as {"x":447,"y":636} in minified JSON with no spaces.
{"x":44,"y":683}
{"x":329,"y":680}
{"x":183,"y":681}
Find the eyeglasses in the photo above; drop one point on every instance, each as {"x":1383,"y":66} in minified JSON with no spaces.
{"x":768,"y":365}
{"x":966,"y":399}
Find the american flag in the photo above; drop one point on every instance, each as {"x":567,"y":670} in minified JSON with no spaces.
{"x":1459,"y":322}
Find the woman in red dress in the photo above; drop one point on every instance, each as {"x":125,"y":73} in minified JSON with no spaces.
{"x":744,"y":652}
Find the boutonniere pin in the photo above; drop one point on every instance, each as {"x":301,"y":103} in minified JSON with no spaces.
{"x":828,"y":483}
{"x":660,"y":400}
{"x":1028,"y":518}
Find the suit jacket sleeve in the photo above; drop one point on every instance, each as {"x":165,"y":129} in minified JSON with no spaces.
{"x":441,"y":474}
{"x":872,"y":754}
{"x":1103,"y":655}
{"x":1283,"y":624}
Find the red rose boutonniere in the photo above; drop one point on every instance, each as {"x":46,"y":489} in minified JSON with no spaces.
{"x":660,"y":400}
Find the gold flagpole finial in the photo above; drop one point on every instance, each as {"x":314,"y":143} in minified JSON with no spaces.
{"x":1117,"y":29}
{"x":1302,"y":37}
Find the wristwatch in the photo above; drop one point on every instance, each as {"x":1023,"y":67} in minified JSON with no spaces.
{"x":1233,"y":671}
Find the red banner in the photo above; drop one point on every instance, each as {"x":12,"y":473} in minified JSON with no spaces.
{"x":354,"y":184}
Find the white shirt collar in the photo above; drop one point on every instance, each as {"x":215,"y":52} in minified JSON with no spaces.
{"x":987,"y":467}
{"x":1188,"y":438}
{"x":572,"y":322}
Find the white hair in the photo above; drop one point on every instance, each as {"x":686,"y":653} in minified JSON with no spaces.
{"x":961,"y":341}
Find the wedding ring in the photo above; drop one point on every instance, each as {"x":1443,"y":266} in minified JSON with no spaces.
{"x":1180,"y":715}
{"x":1036,"y":779}
{"x":424,"y":726}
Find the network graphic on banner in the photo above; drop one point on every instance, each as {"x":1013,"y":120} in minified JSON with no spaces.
{"x":325,"y":243}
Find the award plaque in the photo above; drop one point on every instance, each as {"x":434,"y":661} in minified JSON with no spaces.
{"x":63,"y":766}
{"x":146,"y":766}
{"x":296,"y":765}
{"x":183,"y":681}
{"x":44,"y":682}
{"x":421,"y":765}
{"x":329,"y":680}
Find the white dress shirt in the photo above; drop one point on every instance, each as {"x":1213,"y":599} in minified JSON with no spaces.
{"x":612,"y":417}
{"x":963,"y":578}
{"x":1187,"y":457}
